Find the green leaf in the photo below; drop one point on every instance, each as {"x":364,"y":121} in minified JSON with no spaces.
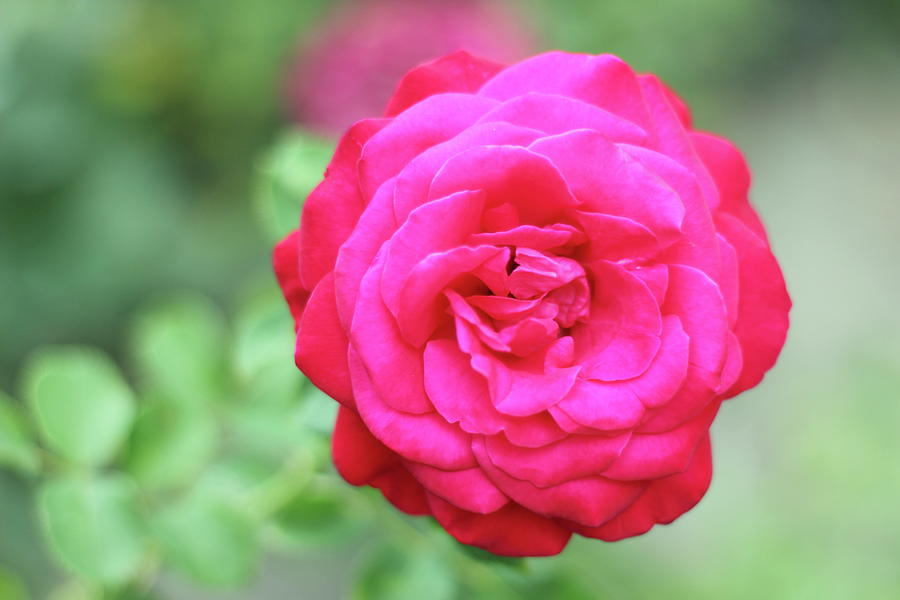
{"x":316,"y":518}
{"x":82,"y":406}
{"x":170,"y":444}
{"x":391,"y":574}
{"x":209,"y":540}
{"x":17,"y":451}
{"x":11,"y":586}
{"x":293,"y":167}
{"x":264,"y":335}
{"x":178,"y":345}
{"x":480,"y":555}
{"x":94,"y":526}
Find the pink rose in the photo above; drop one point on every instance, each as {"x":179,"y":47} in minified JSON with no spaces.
{"x":531,"y":288}
{"x":354,"y":60}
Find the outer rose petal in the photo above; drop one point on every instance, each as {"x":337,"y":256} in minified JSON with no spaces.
{"x":358,"y":456}
{"x":286,"y":261}
{"x":764,"y":304}
{"x":468,"y":489}
{"x":662,"y":502}
{"x":457,"y":72}
{"x":321,"y":351}
{"x":510,"y":531}
{"x":402,"y":490}
{"x":333,"y":208}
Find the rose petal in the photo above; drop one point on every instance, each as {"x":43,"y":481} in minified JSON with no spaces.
{"x":427,"y":438}
{"x":589,"y":500}
{"x":571,"y":458}
{"x":604,"y":81}
{"x":333,"y":207}
{"x":554,"y":114}
{"x":431,"y":121}
{"x":357,"y":455}
{"x":607,"y":180}
{"x":396,"y":366}
{"x":763,"y":309}
{"x":402,"y":490}
{"x":469,"y":489}
{"x":321,"y":351}
{"x":651,"y":456}
{"x":438,"y":225}
{"x":286,"y":261}
{"x":662,"y":502}
{"x":456,"y":72}
{"x":507,"y":174}
{"x":510,"y":531}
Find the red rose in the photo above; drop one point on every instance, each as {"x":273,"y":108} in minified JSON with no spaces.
{"x":531,"y":288}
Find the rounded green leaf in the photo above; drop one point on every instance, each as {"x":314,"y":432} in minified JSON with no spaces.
{"x":391,"y":574}
{"x":170,"y":444}
{"x":94,"y":526}
{"x":17,"y":451}
{"x":209,"y":540}
{"x":82,"y":406}
{"x":293,"y":167}
{"x":178,"y":345}
{"x":11,"y":586}
{"x":316,"y":518}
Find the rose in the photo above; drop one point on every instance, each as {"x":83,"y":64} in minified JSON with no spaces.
{"x":353,"y":62}
{"x":531,"y":288}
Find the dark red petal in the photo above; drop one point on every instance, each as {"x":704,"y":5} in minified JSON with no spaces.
{"x":510,"y":531}
{"x":321,"y":351}
{"x":333,"y":208}
{"x":286,"y":261}
{"x":402,"y":490}
{"x":358,"y":456}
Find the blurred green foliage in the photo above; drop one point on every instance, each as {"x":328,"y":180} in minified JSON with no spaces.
{"x":142,"y":151}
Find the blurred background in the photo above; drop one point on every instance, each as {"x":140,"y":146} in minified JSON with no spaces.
{"x":155,"y":439}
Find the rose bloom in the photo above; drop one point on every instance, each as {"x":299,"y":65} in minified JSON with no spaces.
{"x":530,"y":288}
{"x":353,"y":63}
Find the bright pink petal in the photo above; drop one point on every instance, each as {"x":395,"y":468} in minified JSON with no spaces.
{"x":599,"y":405}
{"x":607,"y":180}
{"x":697,"y":301}
{"x":604,"y":81}
{"x":589,"y":501}
{"x":414,"y":180}
{"x":507,"y":174}
{"x":662,"y":502}
{"x":431,"y":121}
{"x":615,"y":238}
{"x":376,"y":225}
{"x":427,"y":438}
{"x":438,"y":225}
{"x":529,"y":236}
{"x":554,"y":114}
{"x":457,"y":72}
{"x":621,"y":336}
{"x":469,"y":489}
{"x":422,"y":306}
{"x":396,"y":366}
{"x":571,"y":458}
{"x":651,"y":456}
